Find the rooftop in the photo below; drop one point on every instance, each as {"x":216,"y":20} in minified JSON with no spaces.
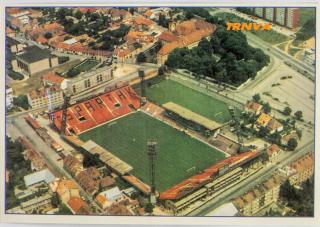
{"x":53,"y":77}
{"x":42,"y":175}
{"x":34,"y":54}
{"x":191,"y":116}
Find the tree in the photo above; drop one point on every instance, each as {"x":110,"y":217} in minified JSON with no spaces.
{"x":256,"y":98}
{"x":48,"y":35}
{"x":189,"y":15}
{"x":132,"y":10}
{"x":163,"y":21}
{"x":78,"y":15}
{"x":21,"y":101}
{"x":266,"y":108}
{"x":263,"y":132}
{"x":287,"y":111}
{"x":298,"y":115}
{"x":149,"y":208}
{"x":292,"y":144}
{"x":141,"y":57}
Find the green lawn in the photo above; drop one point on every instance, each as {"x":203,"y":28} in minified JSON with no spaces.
{"x":197,"y":102}
{"x":176,"y":152}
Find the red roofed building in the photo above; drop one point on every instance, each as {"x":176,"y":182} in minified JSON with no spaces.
{"x":78,"y":206}
{"x":273,"y":151}
{"x":51,"y":78}
{"x":189,"y":34}
{"x":303,"y":169}
{"x":141,"y":23}
{"x":167,"y":37}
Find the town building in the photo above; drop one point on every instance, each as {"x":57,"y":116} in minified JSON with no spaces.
{"x":273,"y":151}
{"x":88,"y":80}
{"x":141,"y":23}
{"x":274,"y":126}
{"x":53,"y":79}
{"x":78,"y":206}
{"x":253,"y":107}
{"x":33,"y":60}
{"x":40,"y":176}
{"x":89,"y":180}
{"x":73,"y":165}
{"x":287,"y":136}
{"x":14,"y":45}
{"x":300,"y":170}
{"x":259,"y":197}
{"x":284,"y":16}
{"x":66,"y":189}
{"x":189,"y":34}
{"x":9,"y":97}
{"x":50,"y":97}
{"x":263,"y":119}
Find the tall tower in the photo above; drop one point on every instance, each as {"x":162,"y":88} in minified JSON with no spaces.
{"x":237,"y":126}
{"x":64,"y":114}
{"x":143,"y":98}
{"x":152,"y":154}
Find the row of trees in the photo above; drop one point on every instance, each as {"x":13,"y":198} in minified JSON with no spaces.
{"x":301,"y":201}
{"x":17,"y":167}
{"x":237,"y":60}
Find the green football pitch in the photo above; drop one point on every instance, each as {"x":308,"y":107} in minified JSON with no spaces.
{"x":178,"y":155}
{"x":207,"y":106}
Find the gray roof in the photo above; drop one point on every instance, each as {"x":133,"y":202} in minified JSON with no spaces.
{"x":42,"y":175}
{"x":33,"y":54}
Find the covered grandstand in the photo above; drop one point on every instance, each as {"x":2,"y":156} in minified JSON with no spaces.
{"x":95,"y":111}
{"x":190,"y":119}
{"x":110,"y":160}
{"x":218,"y":177}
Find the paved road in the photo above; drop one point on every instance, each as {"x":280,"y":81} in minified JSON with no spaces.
{"x":253,"y":180}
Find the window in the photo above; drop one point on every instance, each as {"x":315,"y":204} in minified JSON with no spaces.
{"x":87,"y":83}
{"x":99,"y":78}
{"x":74,"y":88}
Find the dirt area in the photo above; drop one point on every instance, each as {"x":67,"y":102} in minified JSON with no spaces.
{"x":296,"y":92}
{"x":124,"y":69}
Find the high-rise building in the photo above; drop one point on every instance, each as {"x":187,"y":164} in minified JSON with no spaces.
{"x":292,"y":17}
{"x":281,"y":16}
{"x":270,"y":14}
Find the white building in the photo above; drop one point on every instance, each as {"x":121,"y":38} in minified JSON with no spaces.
{"x":9,"y":97}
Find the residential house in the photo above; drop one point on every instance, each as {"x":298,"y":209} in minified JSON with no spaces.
{"x":14,"y":45}
{"x":259,"y":197}
{"x":44,"y":175}
{"x":263,"y":119}
{"x":167,"y":37}
{"x":9,"y":97}
{"x":303,"y":169}
{"x":107,"y":182}
{"x":51,"y":78}
{"x":286,"y":137}
{"x":253,"y":107}
{"x":273,"y":151}
{"x":113,"y":194}
{"x":33,"y":60}
{"x":119,"y":209}
{"x":89,"y":180}
{"x":274,"y":126}
{"x":78,"y":206}
{"x":72,"y":165}
{"x":143,"y":24}
{"x":66,"y":189}
{"x":50,"y":97}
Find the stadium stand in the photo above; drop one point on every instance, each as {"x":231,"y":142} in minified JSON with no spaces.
{"x":191,"y":184}
{"x":90,"y":113}
{"x":107,"y":158}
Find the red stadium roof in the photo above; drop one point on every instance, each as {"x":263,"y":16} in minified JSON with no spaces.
{"x":87,"y":114}
{"x":194,"y":182}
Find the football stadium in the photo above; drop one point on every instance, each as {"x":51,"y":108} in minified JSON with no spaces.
{"x":113,"y":126}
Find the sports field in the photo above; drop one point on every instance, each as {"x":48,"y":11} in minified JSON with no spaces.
{"x":178,"y":155}
{"x":197,"y":102}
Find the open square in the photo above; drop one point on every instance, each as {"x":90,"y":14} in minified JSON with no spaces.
{"x":178,"y":155}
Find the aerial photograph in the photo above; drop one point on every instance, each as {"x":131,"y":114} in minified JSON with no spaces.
{"x":160,"y":111}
